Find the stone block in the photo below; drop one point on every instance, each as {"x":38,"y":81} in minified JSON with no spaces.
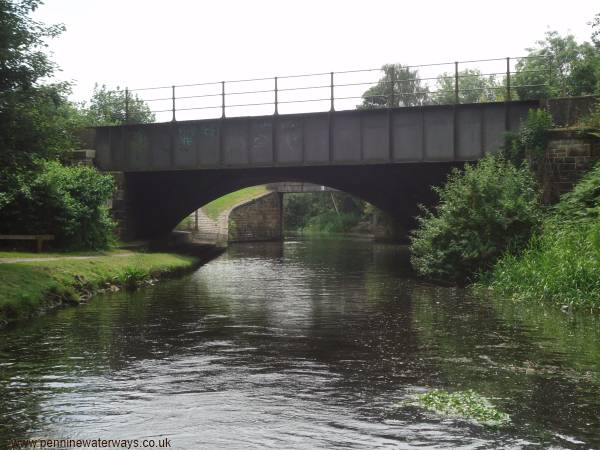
{"x":581,"y":151}
{"x":257,"y":220}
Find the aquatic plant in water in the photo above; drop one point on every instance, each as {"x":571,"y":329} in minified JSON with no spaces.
{"x":463,"y":404}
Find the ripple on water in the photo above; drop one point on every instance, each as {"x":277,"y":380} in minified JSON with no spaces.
{"x":312,"y":344}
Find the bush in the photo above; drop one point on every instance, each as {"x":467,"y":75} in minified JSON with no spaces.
{"x":484,"y":210}
{"x":68,"y":202}
{"x":529,"y":144}
{"x":562,"y":263}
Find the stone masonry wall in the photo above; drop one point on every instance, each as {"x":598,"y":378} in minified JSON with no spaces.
{"x":569,"y":155}
{"x":119,"y":207}
{"x":260,"y":219}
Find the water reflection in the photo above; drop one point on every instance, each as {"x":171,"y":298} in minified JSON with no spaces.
{"x":309,"y":344}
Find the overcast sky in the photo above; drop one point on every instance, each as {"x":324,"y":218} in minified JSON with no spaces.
{"x":139,"y":43}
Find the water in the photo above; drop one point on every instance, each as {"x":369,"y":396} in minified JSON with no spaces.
{"x":306,"y":344}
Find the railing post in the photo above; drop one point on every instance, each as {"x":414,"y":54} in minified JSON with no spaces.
{"x":456,"y":96}
{"x":173,"y":96}
{"x":222,"y":99}
{"x":508,"y":97}
{"x":126,"y":105}
{"x":276,"y":99}
{"x":393,"y":82}
{"x":508,"y":94}
{"x":332,"y":107}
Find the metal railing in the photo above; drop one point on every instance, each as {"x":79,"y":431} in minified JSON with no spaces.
{"x":328,"y":89}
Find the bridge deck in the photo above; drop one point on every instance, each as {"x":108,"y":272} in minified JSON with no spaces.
{"x":419,"y":134}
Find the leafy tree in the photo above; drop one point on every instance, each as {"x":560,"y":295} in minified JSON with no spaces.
{"x":28,"y":112}
{"x":399,"y":86}
{"x":558,"y":66}
{"x":115,"y":107}
{"x":596,"y":30}
{"x":35,"y":120}
{"x":473,"y":87}
{"x":37,"y":124}
{"x":23,"y":61}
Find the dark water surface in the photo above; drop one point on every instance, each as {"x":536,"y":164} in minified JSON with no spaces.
{"x":306,"y":344}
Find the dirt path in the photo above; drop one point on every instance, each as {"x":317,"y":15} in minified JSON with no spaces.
{"x":55,"y":258}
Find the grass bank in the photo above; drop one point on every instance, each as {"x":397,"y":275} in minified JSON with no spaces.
{"x":561,"y":265}
{"x":59,"y":254}
{"x":216,"y":207}
{"x":31,"y":288}
{"x":562,"y":262}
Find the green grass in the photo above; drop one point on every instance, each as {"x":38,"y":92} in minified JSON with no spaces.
{"x":561,"y":266}
{"x":31,"y":286}
{"x":562,"y":263}
{"x":467,"y":405}
{"x":15,"y":254}
{"x":216,"y":207}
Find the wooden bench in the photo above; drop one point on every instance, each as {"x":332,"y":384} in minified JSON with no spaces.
{"x":40,"y":238}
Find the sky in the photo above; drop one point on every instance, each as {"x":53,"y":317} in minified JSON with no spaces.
{"x":142,"y":43}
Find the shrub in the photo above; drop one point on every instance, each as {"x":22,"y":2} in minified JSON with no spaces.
{"x":69,"y":202}
{"x":131,"y":277}
{"x":483,"y":211}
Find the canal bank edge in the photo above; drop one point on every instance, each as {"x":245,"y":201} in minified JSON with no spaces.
{"x":32,"y":288}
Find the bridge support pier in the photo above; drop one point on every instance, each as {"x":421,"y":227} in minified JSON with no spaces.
{"x":121,"y":208}
{"x":260,"y":219}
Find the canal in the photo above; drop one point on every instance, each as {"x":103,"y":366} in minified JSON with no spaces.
{"x":305,"y":344}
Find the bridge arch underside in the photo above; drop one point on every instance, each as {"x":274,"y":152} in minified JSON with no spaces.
{"x":158,"y":201}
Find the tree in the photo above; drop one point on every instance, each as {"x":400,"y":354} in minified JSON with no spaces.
{"x":37,"y":124}
{"x":117,"y":107}
{"x":23,"y":61}
{"x":473,"y":87}
{"x":557,"y":67}
{"x":399,"y":86}
{"x":596,"y":30}
{"x":28,"y":111}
